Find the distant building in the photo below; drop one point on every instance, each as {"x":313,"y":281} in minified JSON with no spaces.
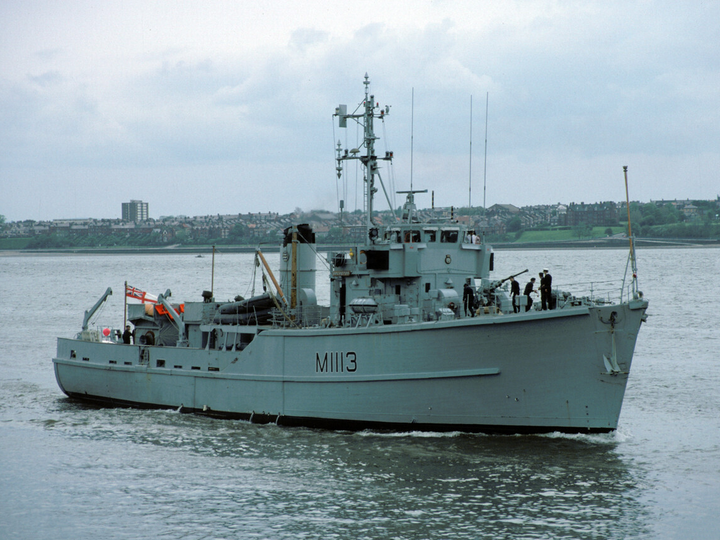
{"x":594,"y":215}
{"x":691,"y":212}
{"x":503,"y":210}
{"x":135,"y":211}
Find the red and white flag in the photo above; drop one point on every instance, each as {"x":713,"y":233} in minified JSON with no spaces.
{"x":137,"y":294}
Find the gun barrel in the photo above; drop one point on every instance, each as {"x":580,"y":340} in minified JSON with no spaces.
{"x":513,"y":276}
{"x":495,"y":284}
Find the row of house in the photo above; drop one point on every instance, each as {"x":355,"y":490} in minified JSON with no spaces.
{"x":498,"y":219}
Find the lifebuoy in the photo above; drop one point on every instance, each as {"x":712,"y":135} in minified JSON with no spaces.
{"x":448,"y":259}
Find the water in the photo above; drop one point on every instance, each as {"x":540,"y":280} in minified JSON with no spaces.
{"x":69,"y":470}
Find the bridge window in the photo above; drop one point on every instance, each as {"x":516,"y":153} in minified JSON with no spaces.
{"x":449,"y":237}
{"x":412,"y":236}
{"x":393,"y":235}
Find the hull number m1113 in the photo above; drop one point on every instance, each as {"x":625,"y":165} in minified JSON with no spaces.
{"x":336,"y":362}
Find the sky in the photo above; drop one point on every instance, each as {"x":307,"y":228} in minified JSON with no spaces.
{"x":221,"y":107}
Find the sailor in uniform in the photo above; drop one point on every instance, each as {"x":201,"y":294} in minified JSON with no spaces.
{"x":514,"y":293}
{"x":128,"y":336}
{"x":546,"y":290}
{"x":469,"y":298}
{"x":529,"y":288}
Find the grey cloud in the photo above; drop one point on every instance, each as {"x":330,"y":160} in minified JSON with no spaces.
{"x":573,"y":93}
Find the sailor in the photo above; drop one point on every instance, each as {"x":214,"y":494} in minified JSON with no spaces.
{"x":128,"y":335}
{"x":529,"y":289}
{"x":546,"y":290}
{"x":514,"y":293}
{"x":469,"y":298}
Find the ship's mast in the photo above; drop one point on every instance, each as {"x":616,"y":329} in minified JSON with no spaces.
{"x":369,"y":159}
{"x":631,"y":239}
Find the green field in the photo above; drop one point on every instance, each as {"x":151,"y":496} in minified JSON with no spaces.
{"x":14,"y":243}
{"x":558,"y":235}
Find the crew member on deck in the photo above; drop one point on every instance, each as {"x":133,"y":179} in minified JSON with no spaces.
{"x":469,"y":298}
{"x":546,"y":290}
{"x":529,"y":288}
{"x":128,"y":336}
{"x":514,"y":293}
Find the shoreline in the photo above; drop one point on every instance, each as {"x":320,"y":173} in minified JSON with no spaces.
{"x":596,"y":243}
{"x":612,"y":243}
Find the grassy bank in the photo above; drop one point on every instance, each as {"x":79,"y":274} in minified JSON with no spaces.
{"x":14,"y":243}
{"x":565,"y":234}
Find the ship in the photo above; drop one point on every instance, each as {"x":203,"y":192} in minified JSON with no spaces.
{"x":418,"y":335}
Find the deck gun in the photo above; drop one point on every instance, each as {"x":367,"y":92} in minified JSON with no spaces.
{"x":491,"y":286}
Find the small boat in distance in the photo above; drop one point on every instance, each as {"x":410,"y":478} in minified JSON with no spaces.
{"x":417,"y":336}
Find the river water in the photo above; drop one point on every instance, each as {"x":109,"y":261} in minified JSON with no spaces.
{"x":69,"y":470}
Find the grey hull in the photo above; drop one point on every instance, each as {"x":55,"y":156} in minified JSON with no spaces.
{"x":531,"y":372}
{"x":399,"y":346}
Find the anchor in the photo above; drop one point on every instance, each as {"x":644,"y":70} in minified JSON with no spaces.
{"x":611,"y":361}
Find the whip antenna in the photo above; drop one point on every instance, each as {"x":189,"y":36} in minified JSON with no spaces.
{"x":487,"y":101}
{"x":470,"y":168}
{"x":412,"y":134}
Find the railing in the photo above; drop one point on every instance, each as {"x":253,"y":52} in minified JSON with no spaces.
{"x":305,"y":317}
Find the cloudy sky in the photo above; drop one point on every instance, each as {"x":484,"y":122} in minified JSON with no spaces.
{"x":225,"y":107}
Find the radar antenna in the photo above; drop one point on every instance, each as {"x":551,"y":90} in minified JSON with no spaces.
{"x":368,"y":112}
